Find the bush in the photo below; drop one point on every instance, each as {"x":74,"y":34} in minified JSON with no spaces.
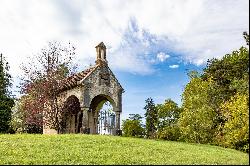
{"x":171,"y":133}
{"x":34,"y":129}
{"x":236,"y":128}
{"x":132,"y":128}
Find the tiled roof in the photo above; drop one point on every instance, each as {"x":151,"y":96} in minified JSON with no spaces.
{"x":71,"y":81}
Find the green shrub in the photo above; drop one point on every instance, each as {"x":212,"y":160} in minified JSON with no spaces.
{"x":132,"y":128}
{"x":171,"y":133}
{"x":236,"y":128}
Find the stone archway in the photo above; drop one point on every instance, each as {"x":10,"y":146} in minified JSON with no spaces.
{"x":71,"y":115}
{"x":106,"y":120}
{"x":95,"y":114}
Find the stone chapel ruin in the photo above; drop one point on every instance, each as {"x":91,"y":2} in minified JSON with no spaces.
{"x":83,"y":95}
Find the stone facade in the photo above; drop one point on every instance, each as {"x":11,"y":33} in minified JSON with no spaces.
{"x":88,"y":90}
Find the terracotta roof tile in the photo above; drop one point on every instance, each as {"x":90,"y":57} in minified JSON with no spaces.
{"x":71,"y":81}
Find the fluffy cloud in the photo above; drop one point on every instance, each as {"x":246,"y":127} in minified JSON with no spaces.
{"x":162,"y":56}
{"x":134,"y":31}
{"x":138,"y":49}
{"x":174,"y":66}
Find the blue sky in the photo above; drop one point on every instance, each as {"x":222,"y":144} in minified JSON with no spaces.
{"x":163,"y":84}
{"x":150,"y":44}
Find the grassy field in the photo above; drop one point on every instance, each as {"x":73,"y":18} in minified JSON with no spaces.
{"x":96,"y":149}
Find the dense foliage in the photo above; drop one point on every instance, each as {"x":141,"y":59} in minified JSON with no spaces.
{"x":197,"y":119}
{"x":27,"y":116}
{"x":132,"y":127}
{"x":216,"y":102}
{"x":6,"y":101}
{"x":236,"y":128}
{"x":168,"y":115}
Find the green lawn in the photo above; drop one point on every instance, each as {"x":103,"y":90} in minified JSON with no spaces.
{"x":96,"y":149}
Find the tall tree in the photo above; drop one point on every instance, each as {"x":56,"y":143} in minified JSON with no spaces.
{"x":135,"y":117}
{"x":42,"y":80}
{"x":6,"y":102}
{"x":151,"y":118}
{"x":197,"y":121}
{"x":168,"y":115}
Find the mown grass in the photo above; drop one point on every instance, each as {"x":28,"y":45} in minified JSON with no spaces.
{"x":97,"y":149}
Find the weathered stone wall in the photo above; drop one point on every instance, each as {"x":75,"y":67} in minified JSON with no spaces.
{"x":102,"y":82}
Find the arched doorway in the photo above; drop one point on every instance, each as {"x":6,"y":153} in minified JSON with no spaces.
{"x":102,"y":116}
{"x":106,"y":120}
{"x":71,"y":116}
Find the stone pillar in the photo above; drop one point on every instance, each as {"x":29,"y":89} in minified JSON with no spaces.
{"x":77,"y":121}
{"x":85,"y":120}
{"x":94,"y":127}
{"x":72,"y":123}
{"x":91,"y":121}
{"x":118,"y":111}
{"x":117,"y":123}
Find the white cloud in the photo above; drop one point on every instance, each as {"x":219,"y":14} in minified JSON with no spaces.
{"x":137,"y":50}
{"x":162,"y":56}
{"x":195,"y":29}
{"x":174,"y":66}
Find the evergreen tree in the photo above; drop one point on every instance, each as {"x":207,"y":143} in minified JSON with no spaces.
{"x":151,"y":118}
{"x":6,"y":102}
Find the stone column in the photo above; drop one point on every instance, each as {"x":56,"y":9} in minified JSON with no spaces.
{"x":94,"y":124}
{"x":117,"y":120}
{"x":117,"y":123}
{"x":77,"y":121}
{"x":118,"y":111}
{"x":91,"y":121}
{"x":72,"y":123}
{"x":85,"y":120}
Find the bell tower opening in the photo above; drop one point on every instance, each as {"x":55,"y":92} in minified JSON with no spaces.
{"x":101,"y":54}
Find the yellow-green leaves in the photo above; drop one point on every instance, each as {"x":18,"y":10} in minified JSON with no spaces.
{"x":236,"y":128}
{"x":197,"y":119}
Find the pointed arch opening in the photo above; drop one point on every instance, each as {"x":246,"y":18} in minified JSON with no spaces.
{"x":71,"y":116}
{"x":102,"y":115}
